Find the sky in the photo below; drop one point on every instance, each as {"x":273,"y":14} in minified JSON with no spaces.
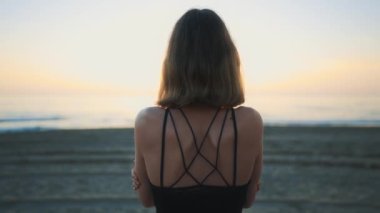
{"x":287,"y":47}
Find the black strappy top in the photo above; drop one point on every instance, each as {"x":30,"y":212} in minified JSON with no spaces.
{"x":199,"y":198}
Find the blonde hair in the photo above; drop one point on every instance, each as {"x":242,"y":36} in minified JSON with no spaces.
{"x":202,"y":65}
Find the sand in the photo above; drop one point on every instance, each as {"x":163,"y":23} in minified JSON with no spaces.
{"x":306,"y":169}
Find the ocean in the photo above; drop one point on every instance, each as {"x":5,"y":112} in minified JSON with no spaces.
{"x":33,"y":113}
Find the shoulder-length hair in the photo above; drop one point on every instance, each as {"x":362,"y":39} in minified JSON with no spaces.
{"x":202,"y":65}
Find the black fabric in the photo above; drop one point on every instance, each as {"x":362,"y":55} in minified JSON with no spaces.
{"x":199,"y":198}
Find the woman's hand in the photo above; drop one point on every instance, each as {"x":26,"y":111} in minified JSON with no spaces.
{"x":135,"y":180}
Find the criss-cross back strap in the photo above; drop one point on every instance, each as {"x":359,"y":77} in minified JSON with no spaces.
{"x":182,"y":154}
{"x":186,"y":167}
{"x":198,"y":149}
{"x":215,"y":167}
{"x":194,"y":137}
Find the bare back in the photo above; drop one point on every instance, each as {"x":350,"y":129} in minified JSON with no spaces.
{"x":199,"y":145}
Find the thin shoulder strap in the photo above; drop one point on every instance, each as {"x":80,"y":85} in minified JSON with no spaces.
{"x":163,"y":147}
{"x":235,"y":144}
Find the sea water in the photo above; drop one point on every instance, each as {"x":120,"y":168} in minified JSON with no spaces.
{"x":30,"y":113}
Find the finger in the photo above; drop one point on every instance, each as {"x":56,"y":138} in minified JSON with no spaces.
{"x":135,"y":179}
{"x":135,"y":187}
{"x":137,"y":183}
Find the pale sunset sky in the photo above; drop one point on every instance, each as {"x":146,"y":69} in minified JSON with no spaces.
{"x":296,"y":47}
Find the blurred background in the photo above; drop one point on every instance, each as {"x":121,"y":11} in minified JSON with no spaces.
{"x":81,"y":64}
{"x":311,"y":68}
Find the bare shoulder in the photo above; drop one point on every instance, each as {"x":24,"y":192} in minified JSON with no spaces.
{"x":250,"y":127}
{"x":148,"y":125}
{"x":249,"y":116}
{"x":148,"y":116}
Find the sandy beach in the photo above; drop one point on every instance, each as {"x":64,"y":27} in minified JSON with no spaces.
{"x":307,"y":169}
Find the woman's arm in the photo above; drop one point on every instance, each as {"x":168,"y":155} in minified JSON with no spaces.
{"x":139,"y":171}
{"x":254,"y":185}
